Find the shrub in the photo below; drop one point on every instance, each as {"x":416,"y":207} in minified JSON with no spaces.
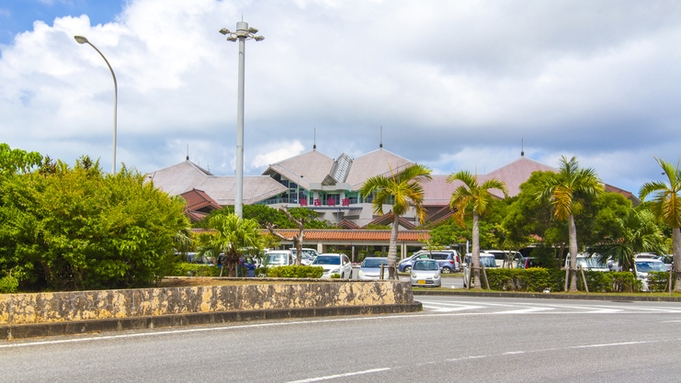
{"x":537,"y":279}
{"x":658,"y":281}
{"x":8,"y":284}
{"x":295,"y":272}
{"x":196,"y":270}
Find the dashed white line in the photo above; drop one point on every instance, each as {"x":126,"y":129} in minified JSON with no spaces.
{"x":329,"y":377}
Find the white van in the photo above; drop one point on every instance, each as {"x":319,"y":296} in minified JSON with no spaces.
{"x":587,"y":262}
{"x":278,"y":258}
{"x":486,"y":260}
{"x":645,"y":265}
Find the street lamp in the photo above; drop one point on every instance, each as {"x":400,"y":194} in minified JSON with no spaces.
{"x":243,"y":33}
{"x":83,"y":40}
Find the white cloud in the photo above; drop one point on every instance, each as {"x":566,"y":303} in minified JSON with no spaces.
{"x":455,"y":85}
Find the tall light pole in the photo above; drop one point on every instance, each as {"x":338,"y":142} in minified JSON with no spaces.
{"x":83,"y":40}
{"x":243,"y":33}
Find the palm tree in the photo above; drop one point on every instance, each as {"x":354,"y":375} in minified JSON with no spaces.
{"x":639,"y":233}
{"x":565,"y":191}
{"x":234,"y":236}
{"x":666,"y":205}
{"x":473,"y":195}
{"x":402,"y":191}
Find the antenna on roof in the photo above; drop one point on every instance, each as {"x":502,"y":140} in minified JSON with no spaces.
{"x":187,"y":152}
{"x":381,"y":139}
{"x":522,"y":147}
{"x":314,"y":145}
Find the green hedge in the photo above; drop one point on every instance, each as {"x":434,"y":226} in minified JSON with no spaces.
{"x":658,"y":281}
{"x":537,"y":279}
{"x":196,"y":270}
{"x":293,"y":272}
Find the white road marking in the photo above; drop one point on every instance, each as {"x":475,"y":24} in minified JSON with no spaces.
{"x":317,"y":379}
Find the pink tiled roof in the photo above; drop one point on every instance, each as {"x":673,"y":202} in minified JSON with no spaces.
{"x":378,"y":162}
{"x":186,"y":176}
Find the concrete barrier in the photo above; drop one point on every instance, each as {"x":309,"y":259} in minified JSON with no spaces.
{"x":62,"y":313}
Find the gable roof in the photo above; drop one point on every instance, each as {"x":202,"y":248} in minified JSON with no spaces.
{"x":378,"y":162}
{"x":306,"y":168}
{"x":186,"y":176}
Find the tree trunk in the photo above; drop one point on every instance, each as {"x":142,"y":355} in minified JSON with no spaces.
{"x":476,"y":252}
{"x":572,"y":239}
{"x":392,"y":249}
{"x":676,"y":245}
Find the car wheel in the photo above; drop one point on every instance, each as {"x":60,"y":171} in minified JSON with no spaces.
{"x":407,"y":269}
{"x":446,"y":270}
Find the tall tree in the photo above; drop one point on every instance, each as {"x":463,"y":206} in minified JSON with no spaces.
{"x":475,"y":196}
{"x":402,"y":191}
{"x":565,"y":191}
{"x":296,"y":239}
{"x":666,"y":205}
{"x":639,"y":232}
{"x":233,"y":237}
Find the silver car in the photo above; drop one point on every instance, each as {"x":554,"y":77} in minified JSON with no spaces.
{"x":370,"y":269}
{"x":425,"y":272}
{"x":334,"y":264}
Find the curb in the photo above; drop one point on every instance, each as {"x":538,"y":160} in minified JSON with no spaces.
{"x":176,"y":320}
{"x":501,"y":294}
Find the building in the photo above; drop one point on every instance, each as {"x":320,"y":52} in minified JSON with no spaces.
{"x":330,"y":186}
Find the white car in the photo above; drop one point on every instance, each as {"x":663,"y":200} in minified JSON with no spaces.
{"x":334,"y":264}
{"x":370,"y":269}
{"x":278,"y":258}
{"x":645,"y":265}
{"x":486,"y":260}
{"x":425,"y":272}
{"x":587,"y":261}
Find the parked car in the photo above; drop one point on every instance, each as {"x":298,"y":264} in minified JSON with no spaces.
{"x":525,"y":262}
{"x":425,"y":272}
{"x":334,"y":264}
{"x":405,"y":265}
{"x":486,"y":260}
{"x":503,"y":258}
{"x":278,"y":258}
{"x":645,"y":265}
{"x":587,"y":261}
{"x":668,"y":261}
{"x":370,"y":269}
{"x":447,"y":259}
{"x":247,"y":266}
{"x":308,"y":255}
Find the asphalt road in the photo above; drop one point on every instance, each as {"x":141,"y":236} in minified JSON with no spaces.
{"x":455,"y":338}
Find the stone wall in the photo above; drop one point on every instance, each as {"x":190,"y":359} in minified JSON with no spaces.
{"x":78,"y":306}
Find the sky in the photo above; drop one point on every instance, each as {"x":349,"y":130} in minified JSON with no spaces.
{"x":453,"y":85}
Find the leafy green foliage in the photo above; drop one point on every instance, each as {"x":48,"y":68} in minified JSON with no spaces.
{"x":264,"y":214}
{"x":77,"y":228}
{"x":295,"y":272}
{"x":658,"y":281}
{"x":537,"y":279}
{"x":8,"y":284}
{"x":195,"y":270}
{"x":233,"y":237}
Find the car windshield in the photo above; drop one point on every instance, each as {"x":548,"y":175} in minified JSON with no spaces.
{"x":373,"y":263}
{"x":426,"y":265}
{"x":326,"y":260}
{"x":589,"y":263}
{"x":275,"y":258}
{"x":647,"y":266}
{"x":488,"y":262}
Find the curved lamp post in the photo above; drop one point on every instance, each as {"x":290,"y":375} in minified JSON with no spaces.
{"x":83,"y":40}
{"x":243,"y":33}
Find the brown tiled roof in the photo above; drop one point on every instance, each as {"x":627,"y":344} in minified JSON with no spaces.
{"x":199,"y":200}
{"x":387,"y":219}
{"x":357,"y":235}
{"x":345,"y":224}
{"x":195,"y":216}
{"x":628,"y":195}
